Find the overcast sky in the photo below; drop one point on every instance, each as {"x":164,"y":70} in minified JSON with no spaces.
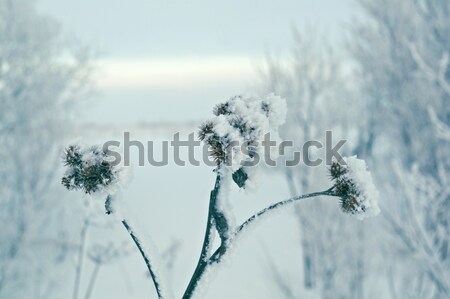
{"x":186,"y":54}
{"x":154,"y":28}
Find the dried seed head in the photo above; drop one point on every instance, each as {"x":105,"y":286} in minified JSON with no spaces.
{"x":239,"y":126}
{"x":336,"y":170}
{"x":265,"y":106}
{"x":218,"y":150}
{"x":88,"y":169}
{"x":206,"y":129}
{"x":354,"y":185}
{"x":72,"y":155}
{"x":348,"y":193}
{"x":222,"y":109}
{"x":349,"y":205}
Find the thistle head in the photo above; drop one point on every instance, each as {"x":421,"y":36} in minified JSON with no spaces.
{"x":205,"y":130}
{"x":337,"y":170}
{"x":234,"y":135}
{"x":222,"y":109}
{"x":354,"y":185}
{"x":89,"y":169}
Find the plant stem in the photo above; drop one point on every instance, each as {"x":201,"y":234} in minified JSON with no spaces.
{"x":279,"y":204}
{"x":220,"y":252}
{"x":92,"y":281}
{"x":203,"y":260}
{"x":79,"y":268}
{"x":146,"y":259}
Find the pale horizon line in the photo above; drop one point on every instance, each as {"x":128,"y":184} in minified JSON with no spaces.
{"x":190,"y":71}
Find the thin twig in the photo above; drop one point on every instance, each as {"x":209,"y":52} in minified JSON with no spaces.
{"x":146,"y":259}
{"x":92,"y":281}
{"x":277,"y":276}
{"x":79,"y":268}
{"x":220,"y":252}
{"x":246,"y":223}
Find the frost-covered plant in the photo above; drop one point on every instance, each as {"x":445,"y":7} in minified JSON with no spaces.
{"x":243,"y":121}
{"x":236,"y":132}
{"x":354,"y":185}
{"x":43,"y":74}
{"x":89,"y":169}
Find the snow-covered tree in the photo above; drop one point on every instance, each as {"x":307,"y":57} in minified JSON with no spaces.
{"x":387,"y":48}
{"x":314,"y":81}
{"x":402,"y":53}
{"x":41,"y":73}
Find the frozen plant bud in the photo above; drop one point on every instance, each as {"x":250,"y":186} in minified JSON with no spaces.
{"x":236,"y":132}
{"x":89,"y":169}
{"x":221,"y":109}
{"x":354,"y":185}
{"x":240,"y":177}
{"x":206,"y":130}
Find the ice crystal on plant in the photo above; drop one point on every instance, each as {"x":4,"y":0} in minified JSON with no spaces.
{"x":354,"y":185}
{"x":89,"y":169}
{"x":236,"y":132}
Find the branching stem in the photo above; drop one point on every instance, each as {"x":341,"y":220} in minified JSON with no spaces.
{"x":204,"y":262}
{"x":279,"y":204}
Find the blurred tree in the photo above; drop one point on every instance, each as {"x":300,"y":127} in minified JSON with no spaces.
{"x":41,"y":75}
{"x":398,"y":92}
{"x":402,"y":51}
{"x":318,"y":94}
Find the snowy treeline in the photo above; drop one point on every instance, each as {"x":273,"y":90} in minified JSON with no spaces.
{"x":389,"y":95}
{"x":41,"y":73}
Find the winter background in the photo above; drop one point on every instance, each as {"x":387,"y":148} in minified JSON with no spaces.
{"x":374,"y":72}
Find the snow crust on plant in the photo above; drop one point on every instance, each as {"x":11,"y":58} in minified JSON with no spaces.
{"x":210,"y":247}
{"x":244,"y":120}
{"x":204,"y":282}
{"x":151,"y":253}
{"x":91,"y":169}
{"x":213,"y":269}
{"x":223,"y":203}
{"x":368,"y":195}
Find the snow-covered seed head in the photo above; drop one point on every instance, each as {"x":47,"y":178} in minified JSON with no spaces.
{"x":234,"y":135}
{"x":337,"y":170}
{"x":221,"y":109}
{"x":205,"y":130}
{"x":88,"y":169}
{"x":354,"y":185}
{"x":266,"y":107}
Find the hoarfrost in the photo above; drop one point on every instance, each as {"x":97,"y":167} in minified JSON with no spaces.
{"x":368,"y":194}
